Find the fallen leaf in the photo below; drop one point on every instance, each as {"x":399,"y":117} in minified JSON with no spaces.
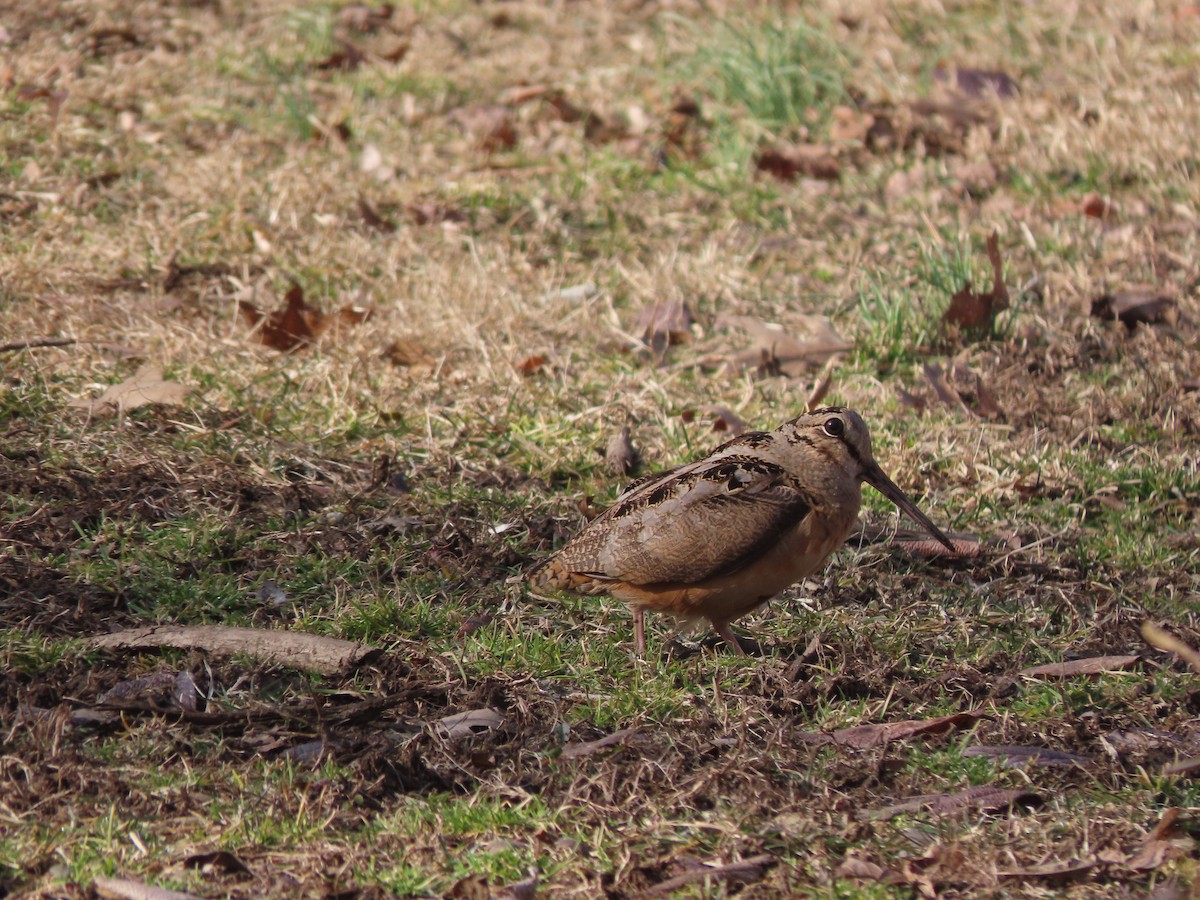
{"x":532,"y":365}
{"x":944,"y":390}
{"x":313,"y":652}
{"x":144,"y":388}
{"x":1028,"y":756}
{"x":981,"y":797}
{"x":434,"y":214}
{"x":372,"y":218}
{"x":525,"y":889}
{"x":125,"y":889}
{"x":166,"y":689}
{"x":774,"y":352}
{"x":1166,"y":841}
{"x":364,"y":18}
{"x":216,"y":860}
{"x":1133,"y":308}
{"x":726,"y":421}
{"x":576,"y":751}
{"x":1095,"y":206}
{"x":863,"y":737}
{"x":798,"y":161}
{"x":1054,"y":871}
{"x":493,"y":127}
{"x":408,"y":353}
{"x":664,"y":324}
{"x":976,"y":312}
{"x":860,"y":869}
{"x":296,"y":324}
{"x":469,"y":723}
{"x":346,"y":58}
{"x":978,"y":82}
{"x":619,"y":452}
{"x":1092,"y":665}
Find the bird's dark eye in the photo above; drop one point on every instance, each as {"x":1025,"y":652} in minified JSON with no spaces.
{"x":835,"y":427}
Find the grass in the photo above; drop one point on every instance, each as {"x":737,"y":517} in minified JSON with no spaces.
{"x":397,"y":505}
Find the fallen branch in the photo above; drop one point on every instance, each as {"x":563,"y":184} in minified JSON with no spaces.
{"x":35,"y":343}
{"x":311,"y":652}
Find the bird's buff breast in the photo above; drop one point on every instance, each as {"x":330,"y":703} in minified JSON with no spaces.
{"x":796,"y":555}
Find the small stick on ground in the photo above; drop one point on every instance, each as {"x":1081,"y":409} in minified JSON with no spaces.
{"x":35,"y":343}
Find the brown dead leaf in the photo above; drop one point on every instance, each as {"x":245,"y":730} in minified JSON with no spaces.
{"x":296,"y":324}
{"x":774,"y":352}
{"x":346,"y":58}
{"x":146,"y":387}
{"x":361,"y":17}
{"x":372,"y":217}
{"x":665,"y":324}
{"x":492,"y":127}
{"x":619,"y":452}
{"x":533,"y":365}
{"x":945,"y":391}
{"x":408,"y":353}
{"x":863,"y":737}
{"x":166,"y":689}
{"x":798,"y":161}
{"x":1020,"y":757}
{"x":576,"y":751}
{"x":1092,"y":665}
{"x":981,"y":797}
{"x":978,"y":82}
{"x":849,"y":125}
{"x":1144,"y":307}
{"x":971,"y":311}
{"x":726,"y":421}
{"x":434,"y":214}
{"x":1166,"y":841}
{"x":1095,"y":206}
{"x":216,"y":861}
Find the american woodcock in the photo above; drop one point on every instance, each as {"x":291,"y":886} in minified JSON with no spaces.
{"x":717,"y":538}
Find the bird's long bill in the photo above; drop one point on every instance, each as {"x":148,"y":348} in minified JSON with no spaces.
{"x":874,"y":476}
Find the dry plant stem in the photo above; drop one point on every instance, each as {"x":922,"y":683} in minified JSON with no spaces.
{"x":36,"y":343}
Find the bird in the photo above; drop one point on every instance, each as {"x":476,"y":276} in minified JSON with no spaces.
{"x":717,"y":538}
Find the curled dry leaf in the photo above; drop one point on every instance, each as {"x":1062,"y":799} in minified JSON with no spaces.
{"x":862,"y":737}
{"x":1092,"y":665}
{"x":619,"y":453}
{"x":296,"y":324}
{"x":1166,"y":841}
{"x":471,"y":722}
{"x":533,"y":365}
{"x":975,"y":312}
{"x":1140,"y":307}
{"x":144,"y":388}
{"x":798,"y":161}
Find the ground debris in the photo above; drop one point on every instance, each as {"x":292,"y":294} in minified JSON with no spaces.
{"x":288,"y":648}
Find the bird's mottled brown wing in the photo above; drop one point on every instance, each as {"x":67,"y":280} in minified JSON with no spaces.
{"x":695,"y":522}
